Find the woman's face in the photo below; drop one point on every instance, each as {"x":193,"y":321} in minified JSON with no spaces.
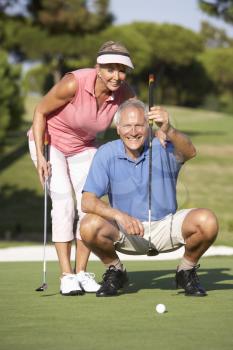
{"x":111,"y":75}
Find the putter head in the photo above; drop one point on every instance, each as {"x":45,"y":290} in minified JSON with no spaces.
{"x":42,"y":288}
{"x":152,"y":252}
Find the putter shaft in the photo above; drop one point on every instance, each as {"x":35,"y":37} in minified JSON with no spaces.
{"x":44,"y":286}
{"x":151,"y":251}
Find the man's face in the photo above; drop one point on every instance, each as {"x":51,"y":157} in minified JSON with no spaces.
{"x":133,"y":130}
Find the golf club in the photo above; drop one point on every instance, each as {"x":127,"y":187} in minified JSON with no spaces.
{"x":44,"y":285}
{"x":151,"y":251}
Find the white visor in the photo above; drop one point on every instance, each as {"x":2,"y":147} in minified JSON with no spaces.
{"x":118,"y":57}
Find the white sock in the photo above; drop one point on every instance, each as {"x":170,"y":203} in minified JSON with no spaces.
{"x":117,"y":263}
{"x":185,"y":264}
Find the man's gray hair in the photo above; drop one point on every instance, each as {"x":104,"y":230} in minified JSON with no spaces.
{"x":130,"y":103}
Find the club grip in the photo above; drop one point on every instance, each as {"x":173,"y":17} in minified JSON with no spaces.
{"x":151,"y":90}
{"x":151,"y":94}
{"x":46,"y":150}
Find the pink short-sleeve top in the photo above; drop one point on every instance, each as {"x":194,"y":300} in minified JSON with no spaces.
{"x":73,"y":128}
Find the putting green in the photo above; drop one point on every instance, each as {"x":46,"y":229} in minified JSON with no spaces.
{"x":33,"y":320}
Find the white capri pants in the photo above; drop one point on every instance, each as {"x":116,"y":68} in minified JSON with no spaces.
{"x":68,"y":175}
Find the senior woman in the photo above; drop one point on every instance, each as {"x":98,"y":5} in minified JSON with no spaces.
{"x":70,"y":115}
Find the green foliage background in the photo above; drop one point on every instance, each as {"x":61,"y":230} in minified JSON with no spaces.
{"x":11,"y":99}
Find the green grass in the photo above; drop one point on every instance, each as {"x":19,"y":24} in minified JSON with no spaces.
{"x":205,"y":181}
{"x":32,"y":320}
{"x":10,"y":244}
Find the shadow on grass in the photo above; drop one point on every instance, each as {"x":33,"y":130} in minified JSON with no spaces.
{"x":207,"y":133}
{"x":49,"y":295}
{"x":21,"y":215}
{"x":11,"y":157}
{"x":211,"y":279}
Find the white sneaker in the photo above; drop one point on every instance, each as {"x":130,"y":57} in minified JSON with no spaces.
{"x":70,"y":285}
{"x":87,"y":282}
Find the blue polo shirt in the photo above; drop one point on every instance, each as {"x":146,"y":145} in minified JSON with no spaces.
{"x":125,"y":181}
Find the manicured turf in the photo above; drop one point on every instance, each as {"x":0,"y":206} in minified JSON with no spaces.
{"x":32,"y":320}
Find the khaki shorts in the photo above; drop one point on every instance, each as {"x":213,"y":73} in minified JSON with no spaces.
{"x":166,"y":236}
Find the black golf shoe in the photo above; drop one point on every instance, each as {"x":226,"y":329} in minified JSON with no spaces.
{"x":113,"y":280}
{"x":189,"y":281}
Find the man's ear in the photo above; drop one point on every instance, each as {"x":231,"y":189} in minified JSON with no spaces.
{"x":118,"y":130}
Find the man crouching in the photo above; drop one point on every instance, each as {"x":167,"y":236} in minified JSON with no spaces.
{"x":120,"y":169}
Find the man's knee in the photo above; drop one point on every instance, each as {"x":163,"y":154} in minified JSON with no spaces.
{"x":204,"y":221}
{"x":90,"y":226}
{"x":208,"y":224}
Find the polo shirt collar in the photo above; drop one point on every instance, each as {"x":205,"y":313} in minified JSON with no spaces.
{"x":121,"y":154}
{"x":90,"y":85}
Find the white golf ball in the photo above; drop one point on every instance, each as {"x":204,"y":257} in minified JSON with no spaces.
{"x":160,"y":308}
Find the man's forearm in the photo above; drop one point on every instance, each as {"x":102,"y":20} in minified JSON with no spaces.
{"x":93,"y":205}
{"x":182,"y":143}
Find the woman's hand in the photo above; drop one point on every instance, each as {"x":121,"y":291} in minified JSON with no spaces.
{"x":43,"y":168}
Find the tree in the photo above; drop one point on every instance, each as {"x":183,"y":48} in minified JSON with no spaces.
{"x":218,"y":64}
{"x":52,"y":31}
{"x":60,"y":16}
{"x":11,"y":100}
{"x":70,"y":16}
{"x":214,"y":37}
{"x":173,"y":57}
{"x":218,"y":8}
{"x":170,"y":43}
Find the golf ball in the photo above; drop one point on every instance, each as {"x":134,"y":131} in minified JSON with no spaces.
{"x":160,"y":308}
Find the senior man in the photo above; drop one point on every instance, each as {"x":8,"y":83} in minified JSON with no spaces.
{"x":120,"y":169}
